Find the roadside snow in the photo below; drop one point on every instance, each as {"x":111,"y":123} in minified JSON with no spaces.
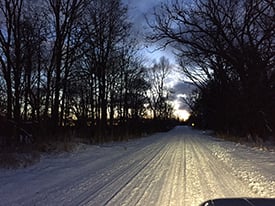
{"x":181,"y":167}
{"x":253,"y":165}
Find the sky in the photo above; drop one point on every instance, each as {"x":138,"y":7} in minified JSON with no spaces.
{"x":176,"y":81}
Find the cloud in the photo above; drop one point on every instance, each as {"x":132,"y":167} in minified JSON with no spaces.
{"x":184,"y":87}
{"x":138,"y":9}
{"x":181,"y":90}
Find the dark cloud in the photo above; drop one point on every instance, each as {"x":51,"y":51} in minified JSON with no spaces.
{"x":138,"y":9}
{"x":184,"y":87}
{"x":181,"y":90}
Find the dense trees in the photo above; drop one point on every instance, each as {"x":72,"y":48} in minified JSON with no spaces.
{"x":11,"y":53}
{"x":159,"y":94}
{"x":227,"y":49}
{"x":73,"y":62}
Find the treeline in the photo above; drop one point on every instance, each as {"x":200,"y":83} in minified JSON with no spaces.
{"x":70,"y":63}
{"x":227,"y":49}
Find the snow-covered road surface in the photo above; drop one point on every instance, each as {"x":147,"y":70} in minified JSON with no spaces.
{"x":181,"y":167}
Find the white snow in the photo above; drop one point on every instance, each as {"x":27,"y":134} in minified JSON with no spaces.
{"x":181,"y":167}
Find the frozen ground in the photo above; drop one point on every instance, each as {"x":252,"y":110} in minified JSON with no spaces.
{"x":181,"y":167}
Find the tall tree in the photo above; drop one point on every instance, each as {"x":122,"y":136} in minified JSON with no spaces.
{"x":219,"y":45}
{"x":11,"y":53}
{"x":106,"y":27}
{"x":65,"y":14}
{"x":159,"y":93}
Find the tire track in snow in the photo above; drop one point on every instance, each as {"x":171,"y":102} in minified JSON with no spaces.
{"x":193,"y":184}
{"x":232,"y":185}
{"x":173,"y":189}
{"x":176,"y":168}
{"x":214,"y":178}
{"x":184,"y":170}
{"x":164,"y":185}
{"x":80,"y":189}
{"x":134,"y":192}
{"x":187,"y":175}
{"x":167,"y":190}
{"x":121,"y":177}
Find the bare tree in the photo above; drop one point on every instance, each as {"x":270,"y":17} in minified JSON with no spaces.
{"x":106,"y":28}
{"x":158,"y":93}
{"x":228,"y":45}
{"x":11,"y":53}
{"x":74,"y":63}
{"x":65,"y":14}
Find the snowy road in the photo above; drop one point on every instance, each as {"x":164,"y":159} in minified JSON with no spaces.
{"x":181,"y":167}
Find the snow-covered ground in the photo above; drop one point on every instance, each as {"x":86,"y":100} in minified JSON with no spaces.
{"x":181,"y":167}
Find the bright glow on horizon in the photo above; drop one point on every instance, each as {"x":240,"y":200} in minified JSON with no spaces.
{"x":182,"y":114}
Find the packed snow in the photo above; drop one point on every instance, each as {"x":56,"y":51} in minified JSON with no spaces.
{"x":180,"y":167}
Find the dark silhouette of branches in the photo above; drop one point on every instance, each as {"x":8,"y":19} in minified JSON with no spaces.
{"x":226,"y":49}
{"x":72,"y":64}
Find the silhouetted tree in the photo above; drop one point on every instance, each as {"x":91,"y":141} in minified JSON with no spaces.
{"x":11,"y":53}
{"x":74,"y":63}
{"x":158,"y":93}
{"x":225,"y":47}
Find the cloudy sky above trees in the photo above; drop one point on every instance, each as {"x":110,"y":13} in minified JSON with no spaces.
{"x":137,"y":12}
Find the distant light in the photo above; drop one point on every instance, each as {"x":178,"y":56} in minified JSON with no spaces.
{"x":193,"y":124}
{"x":182,"y":114}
